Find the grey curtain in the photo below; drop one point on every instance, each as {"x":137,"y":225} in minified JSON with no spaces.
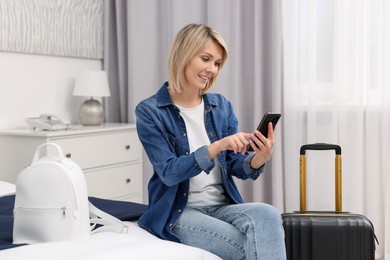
{"x":115,"y":60}
{"x":138,"y":35}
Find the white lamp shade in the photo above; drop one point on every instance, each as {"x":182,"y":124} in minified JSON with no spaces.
{"x":93,"y":83}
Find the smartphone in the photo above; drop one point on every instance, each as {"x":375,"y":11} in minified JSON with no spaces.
{"x":263,"y":126}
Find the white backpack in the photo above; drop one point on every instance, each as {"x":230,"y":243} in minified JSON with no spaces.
{"x":51,"y":202}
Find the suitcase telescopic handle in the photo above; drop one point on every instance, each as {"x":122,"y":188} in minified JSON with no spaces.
{"x":321,"y":146}
{"x":338,"y":177}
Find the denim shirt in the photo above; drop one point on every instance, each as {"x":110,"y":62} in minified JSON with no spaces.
{"x":162,"y":132}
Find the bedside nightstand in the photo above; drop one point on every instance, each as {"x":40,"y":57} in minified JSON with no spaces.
{"x":110,"y":156}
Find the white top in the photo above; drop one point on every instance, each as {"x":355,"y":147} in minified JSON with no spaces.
{"x":205,"y":189}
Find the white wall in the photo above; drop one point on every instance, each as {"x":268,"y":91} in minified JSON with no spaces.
{"x":34,"y":84}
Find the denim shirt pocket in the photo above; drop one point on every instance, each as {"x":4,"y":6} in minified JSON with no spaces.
{"x":173,"y":142}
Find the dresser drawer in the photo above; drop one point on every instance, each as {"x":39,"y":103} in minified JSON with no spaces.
{"x":118,"y":181}
{"x":91,"y":151}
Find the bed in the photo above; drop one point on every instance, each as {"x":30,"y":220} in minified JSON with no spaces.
{"x":136,"y":244}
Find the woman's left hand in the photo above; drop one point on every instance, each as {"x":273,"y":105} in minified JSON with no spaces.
{"x":262,"y":146}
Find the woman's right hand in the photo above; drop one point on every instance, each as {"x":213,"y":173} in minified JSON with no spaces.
{"x":237,"y":143}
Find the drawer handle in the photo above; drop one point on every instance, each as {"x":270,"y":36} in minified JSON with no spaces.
{"x":68,"y":155}
{"x":128,"y":147}
{"x":128,"y":180}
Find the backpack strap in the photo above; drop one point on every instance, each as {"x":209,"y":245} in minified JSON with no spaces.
{"x":108,"y":222}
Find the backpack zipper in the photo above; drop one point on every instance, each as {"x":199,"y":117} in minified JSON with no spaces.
{"x":61,"y":210}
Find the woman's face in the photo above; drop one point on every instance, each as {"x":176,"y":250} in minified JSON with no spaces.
{"x":203,"y":66}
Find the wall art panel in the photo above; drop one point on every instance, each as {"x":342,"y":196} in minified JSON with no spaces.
{"x":52,"y":27}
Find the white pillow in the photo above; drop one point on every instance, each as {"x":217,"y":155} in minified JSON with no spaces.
{"x":6,"y":188}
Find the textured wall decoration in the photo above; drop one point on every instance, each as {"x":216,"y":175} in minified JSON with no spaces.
{"x":52,"y":27}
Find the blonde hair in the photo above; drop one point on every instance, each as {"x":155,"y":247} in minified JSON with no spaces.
{"x":189,"y":41}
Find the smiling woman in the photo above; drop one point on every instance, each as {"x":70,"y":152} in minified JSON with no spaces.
{"x":191,"y":138}
{"x":214,"y":47}
{"x":199,"y":74}
{"x":251,"y":80}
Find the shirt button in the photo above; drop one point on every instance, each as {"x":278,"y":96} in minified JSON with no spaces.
{"x":184,"y":194}
{"x":170,"y":225}
{"x":179,"y":211}
{"x":184,"y":134}
{"x":187,"y":153}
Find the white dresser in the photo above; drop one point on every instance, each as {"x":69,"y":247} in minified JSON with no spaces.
{"x":110,"y":156}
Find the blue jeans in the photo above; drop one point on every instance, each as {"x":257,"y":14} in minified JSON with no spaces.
{"x":238,"y":231}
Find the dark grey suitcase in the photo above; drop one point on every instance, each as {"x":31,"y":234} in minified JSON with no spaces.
{"x":322,"y":235}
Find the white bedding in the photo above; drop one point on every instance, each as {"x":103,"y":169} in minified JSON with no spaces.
{"x":6,"y":188}
{"x":136,"y":244}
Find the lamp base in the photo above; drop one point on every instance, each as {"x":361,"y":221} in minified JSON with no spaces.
{"x":91,"y":113}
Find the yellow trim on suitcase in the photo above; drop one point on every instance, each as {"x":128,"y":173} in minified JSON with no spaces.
{"x":338,"y":183}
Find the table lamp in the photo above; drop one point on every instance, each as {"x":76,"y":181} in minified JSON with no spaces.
{"x":92,"y":84}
